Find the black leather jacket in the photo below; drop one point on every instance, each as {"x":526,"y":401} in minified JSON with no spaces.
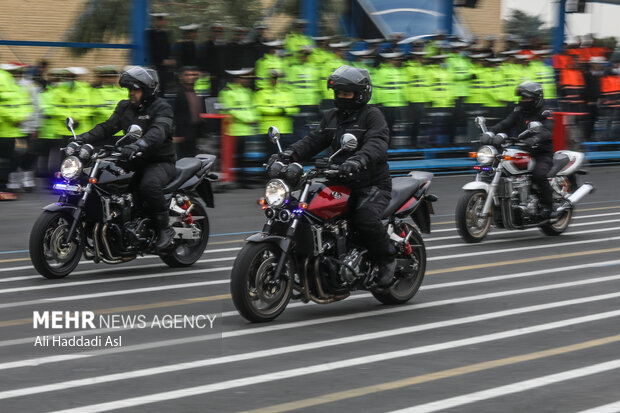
{"x":373,"y":137}
{"x":517,"y":122}
{"x":155,"y":121}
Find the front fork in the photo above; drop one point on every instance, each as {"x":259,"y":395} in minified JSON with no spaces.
{"x":486,"y":210}
{"x":78,"y":211}
{"x":290,"y":234}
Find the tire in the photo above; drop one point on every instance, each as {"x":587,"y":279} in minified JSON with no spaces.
{"x":407,"y":282}
{"x":564,"y":187}
{"x":252,"y":268}
{"x":186,"y":253}
{"x":470,"y":228}
{"x":49,"y":258}
{"x":559,"y":226}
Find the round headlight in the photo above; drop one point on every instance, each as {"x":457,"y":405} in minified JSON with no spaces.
{"x":486,"y":155}
{"x":276,"y":192}
{"x":70,"y":167}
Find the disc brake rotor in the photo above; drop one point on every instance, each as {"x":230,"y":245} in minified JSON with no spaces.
{"x":264,"y":291}
{"x":58,"y":251}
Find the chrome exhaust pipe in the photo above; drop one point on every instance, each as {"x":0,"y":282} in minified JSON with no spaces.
{"x":576,"y":196}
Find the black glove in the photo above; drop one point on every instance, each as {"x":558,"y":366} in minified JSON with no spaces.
{"x":287,"y":156}
{"x":129,"y":151}
{"x":349,"y":168}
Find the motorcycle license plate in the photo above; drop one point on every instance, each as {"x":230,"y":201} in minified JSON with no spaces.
{"x":67,"y":187}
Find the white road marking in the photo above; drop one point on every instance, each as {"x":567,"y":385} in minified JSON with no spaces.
{"x":341,"y":364}
{"x":325,"y":320}
{"x":608,"y":408}
{"x":512,"y":388}
{"x":125,"y":292}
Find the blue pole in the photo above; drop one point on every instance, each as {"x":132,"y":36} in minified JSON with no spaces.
{"x":558,"y":34}
{"x":446,"y":25}
{"x":310,"y":12}
{"x":139,"y":14}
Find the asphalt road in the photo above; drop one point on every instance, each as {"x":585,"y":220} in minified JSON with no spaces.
{"x":519,"y":322}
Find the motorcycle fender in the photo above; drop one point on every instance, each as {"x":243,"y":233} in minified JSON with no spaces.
{"x":473,"y":186}
{"x":59,"y":207}
{"x":422,"y":217}
{"x":206,"y":192}
{"x":280,"y":241}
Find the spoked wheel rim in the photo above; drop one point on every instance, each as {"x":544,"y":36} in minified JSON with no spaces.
{"x":409,"y":276}
{"x":58,"y":254}
{"x":476,"y":224}
{"x":265,"y":295}
{"x":189,"y":250}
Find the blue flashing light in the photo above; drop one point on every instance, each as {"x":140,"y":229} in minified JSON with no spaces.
{"x":298,"y":211}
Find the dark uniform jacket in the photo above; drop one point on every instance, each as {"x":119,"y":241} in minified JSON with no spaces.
{"x":369,"y":127}
{"x":516,"y":122}
{"x":155,"y":121}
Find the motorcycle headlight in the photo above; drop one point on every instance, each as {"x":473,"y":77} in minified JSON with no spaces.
{"x":486,"y":155}
{"x":276,"y":192}
{"x":70,"y":167}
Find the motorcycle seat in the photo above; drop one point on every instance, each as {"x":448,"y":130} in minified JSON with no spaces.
{"x":403,"y":188}
{"x":560,"y":160}
{"x":185,"y":168}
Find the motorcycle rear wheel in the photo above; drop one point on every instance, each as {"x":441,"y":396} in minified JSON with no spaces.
{"x":49,"y":256}
{"x":410,"y":278}
{"x":254,"y":298}
{"x":186,"y":253}
{"x":469,"y":223}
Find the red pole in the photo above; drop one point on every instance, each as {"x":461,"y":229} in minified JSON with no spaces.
{"x":227,"y":147}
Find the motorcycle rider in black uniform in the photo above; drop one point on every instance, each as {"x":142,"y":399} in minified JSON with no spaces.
{"x":529,"y":109}
{"x":365,"y":170}
{"x":155,"y":168}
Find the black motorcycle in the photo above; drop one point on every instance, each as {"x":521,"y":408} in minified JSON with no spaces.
{"x":100,"y":217}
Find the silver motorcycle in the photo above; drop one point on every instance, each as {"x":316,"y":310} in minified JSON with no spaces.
{"x":502,"y":193}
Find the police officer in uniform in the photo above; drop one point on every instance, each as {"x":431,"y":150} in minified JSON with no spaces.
{"x":365,"y":170}
{"x":155,"y":168}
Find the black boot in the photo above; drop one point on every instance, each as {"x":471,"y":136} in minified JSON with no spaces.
{"x":385,"y":273}
{"x":165,"y":233}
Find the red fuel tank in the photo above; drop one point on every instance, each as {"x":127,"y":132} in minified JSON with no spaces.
{"x":328,"y":201}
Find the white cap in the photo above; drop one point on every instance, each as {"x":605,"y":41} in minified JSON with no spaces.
{"x":241,"y":72}
{"x":159,"y":14}
{"x":392,"y":55}
{"x":194,"y":26}
{"x":364,"y":52}
{"x":75,"y":70}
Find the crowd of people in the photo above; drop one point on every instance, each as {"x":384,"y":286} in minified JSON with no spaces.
{"x":428,"y":88}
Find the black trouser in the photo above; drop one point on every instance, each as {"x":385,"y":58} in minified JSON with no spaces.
{"x":7,"y":147}
{"x":150,"y":181}
{"x":539,"y":177}
{"x":367,"y":206}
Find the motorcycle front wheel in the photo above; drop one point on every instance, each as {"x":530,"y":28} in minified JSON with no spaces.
{"x":254,"y":294}
{"x":186,"y":252}
{"x":409,"y":273}
{"x":470,"y":224}
{"x":51,"y":257}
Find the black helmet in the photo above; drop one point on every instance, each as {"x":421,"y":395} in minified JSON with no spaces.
{"x":532,"y":92}
{"x":137,"y":77}
{"x":351,"y":79}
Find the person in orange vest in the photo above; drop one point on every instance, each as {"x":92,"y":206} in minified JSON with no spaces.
{"x":610,"y":102}
{"x":571,"y":89}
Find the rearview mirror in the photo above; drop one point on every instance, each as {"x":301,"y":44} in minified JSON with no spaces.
{"x":69,"y":122}
{"x":135,"y":130}
{"x":274,"y":136}
{"x":348,"y":142}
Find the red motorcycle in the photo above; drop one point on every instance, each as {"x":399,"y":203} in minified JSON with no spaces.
{"x":307,"y":250}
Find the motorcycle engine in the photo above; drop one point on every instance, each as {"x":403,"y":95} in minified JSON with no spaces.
{"x":138,"y":233}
